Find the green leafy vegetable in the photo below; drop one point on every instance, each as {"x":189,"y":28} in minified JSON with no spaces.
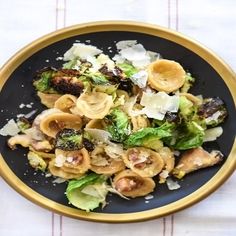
{"x":189,"y":80}
{"x":88,"y":192}
{"x":23,"y":124}
{"x":69,"y":140}
{"x":118,"y":125}
{"x":191,"y":136}
{"x":186,"y":108}
{"x":97,"y":78}
{"x":128,"y":69}
{"x":70,"y":64}
{"x":150,"y":137}
{"x":43,"y":84}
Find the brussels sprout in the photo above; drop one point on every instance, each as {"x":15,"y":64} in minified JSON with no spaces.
{"x":213,"y":111}
{"x":69,"y":140}
{"x":118,"y":125}
{"x":189,"y":80}
{"x":36,"y":161}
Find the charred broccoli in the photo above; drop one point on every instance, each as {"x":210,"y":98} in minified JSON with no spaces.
{"x":67,"y":84}
{"x":43,"y":80}
{"x":69,"y":140}
{"x":213,"y":111}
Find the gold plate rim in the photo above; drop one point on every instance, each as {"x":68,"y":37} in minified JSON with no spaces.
{"x":215,"y":61}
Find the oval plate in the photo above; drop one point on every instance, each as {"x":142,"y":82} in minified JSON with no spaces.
{"x":214,"y":78}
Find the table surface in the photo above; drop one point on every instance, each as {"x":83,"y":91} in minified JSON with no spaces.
{"x":211,"y":22}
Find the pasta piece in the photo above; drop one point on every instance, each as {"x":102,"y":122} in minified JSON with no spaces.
{"x":166,"y":75}
{"x":53,"y":123}
{"x":194,"y":99}
{"x":129,"y":184}
{"x":57,"y":171}
{"x":65,"y":103}
{"x":143,"y":161}
{"x":96,"y":124}
{"x":102,"y":162}
{"x":169,"y":163}
{"x":44,"y":155}
{"x":121,"y":93}
{"x":70,"y":163}
{"x":95,"y":105}
{"x":196,"y":159}
{"x":139,"y":122}
{"x":48,"y":99}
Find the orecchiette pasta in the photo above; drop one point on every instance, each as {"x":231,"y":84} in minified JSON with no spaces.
{"x":95,"y":105}
{"x":143,"y":161}
{"x":133,"y":185}
{"x":70,"y":162}
{"x":48,"y":99}
{"x":53,"y":123}
{"x":139,"y":122}
{"x":166,"y":75}
{"x":104,"y":163}
{"x":95,"y":124}
{"x":57,"y":171}
{"x":65,"y":103}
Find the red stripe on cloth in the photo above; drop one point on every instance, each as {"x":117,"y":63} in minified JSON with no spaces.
{"x":177,"y":14}
{"x":164,"y":226}
{"x":61,"y":225}
{"x":65,"y":3}
{"x":168,"y":14}
{"x":172,"y":225}
{"x":52,"y":224}
{"x":56,"y":23}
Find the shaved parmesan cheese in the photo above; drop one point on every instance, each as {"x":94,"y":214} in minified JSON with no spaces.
{"x":140,"y":78}
{"x":99,"y":135}
{"x":103,"y":59}
{"x":59,"y":180}
{"x":212,"y":134}
{"x":128,"y":107}
{"x":90,"y":190}
{"x":114,"y":151}
{"x":60,"y":160}
{"x":99,"y":161}
{"x":164,"y":174}
{"x":156,"y":105}
{"x":214,"y":117}
{"x":134,"y":53}
{"x":119,"y":59}
{"x":82,"y":51}
{"x":153,"y":55}
{"x":95,"y":64}
{"x":10,"y":128}
{"x":34,"y":133}
{"x":98,"y":62}
{"x":149,"y":196}
{"x":172,"y":185}
{"x":125,"y":44}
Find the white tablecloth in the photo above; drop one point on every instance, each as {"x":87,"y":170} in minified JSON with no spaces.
{"x":212,"y":22}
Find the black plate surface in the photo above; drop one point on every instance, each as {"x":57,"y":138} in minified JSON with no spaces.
{"x":18,"y":89}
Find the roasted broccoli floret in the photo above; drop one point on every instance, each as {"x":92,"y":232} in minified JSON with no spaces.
{"x":118,"y":125}
{"x":67,"y":84}
{"x":36,"y":161}
{"x":23,"y":124}
{"x":43,"y":80}
{"x":69,"y":140}
{"x":213,"y":111}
